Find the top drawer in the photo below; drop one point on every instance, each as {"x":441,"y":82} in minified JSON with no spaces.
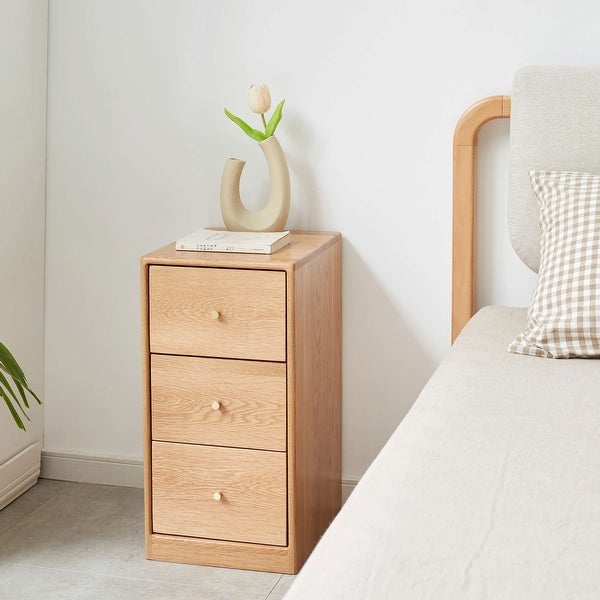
{"x":229,"y":313}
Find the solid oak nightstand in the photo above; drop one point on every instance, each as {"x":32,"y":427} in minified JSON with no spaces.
{"x":242,"y":403}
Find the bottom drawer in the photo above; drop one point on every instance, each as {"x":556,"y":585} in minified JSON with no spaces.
{"x":251,"y":484}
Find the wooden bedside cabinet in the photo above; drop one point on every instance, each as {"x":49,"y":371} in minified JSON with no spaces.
{"x":242,"y":403}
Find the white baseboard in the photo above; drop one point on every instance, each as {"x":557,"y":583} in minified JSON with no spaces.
{"x":348,"y":486}
{"x":112,"y":471}
{"x":92,"y":469}
{"x":19,"y":473}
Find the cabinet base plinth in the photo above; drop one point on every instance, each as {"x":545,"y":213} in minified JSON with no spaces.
{"x":216,"y":553}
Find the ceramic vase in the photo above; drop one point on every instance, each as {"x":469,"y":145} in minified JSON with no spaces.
{"x":274,"y":215}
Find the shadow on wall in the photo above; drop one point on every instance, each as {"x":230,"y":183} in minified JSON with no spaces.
{"x":306,"y":201}
{"x":384,"y":365}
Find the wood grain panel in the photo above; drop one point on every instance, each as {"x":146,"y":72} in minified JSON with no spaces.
{"x":304,"y":245}
{"x":251,"y":396}
{"x":230,"y":313}
{"x":216,"y":553}
{"x":146,"y":415}
{"x":464,"y":204}
{"x":315,"y":409}
{"x":252,"y":484}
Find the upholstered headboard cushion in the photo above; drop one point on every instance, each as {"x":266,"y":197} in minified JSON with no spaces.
{"x":555,"y":126}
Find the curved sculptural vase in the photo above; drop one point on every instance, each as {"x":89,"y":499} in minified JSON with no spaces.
{"x":275,"y":213}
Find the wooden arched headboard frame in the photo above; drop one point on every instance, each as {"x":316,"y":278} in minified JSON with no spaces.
{"x":464,"y":201}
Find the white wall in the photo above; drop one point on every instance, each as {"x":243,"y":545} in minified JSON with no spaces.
{"x":137,"y":140}
{"x":23,"y":29}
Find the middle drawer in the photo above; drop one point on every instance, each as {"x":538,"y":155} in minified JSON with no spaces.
{"x":219,"y":402}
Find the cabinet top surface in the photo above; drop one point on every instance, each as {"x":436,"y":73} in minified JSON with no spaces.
{"x":303,"y":246}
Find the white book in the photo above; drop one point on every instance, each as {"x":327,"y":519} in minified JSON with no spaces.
{"x":210,"y":240}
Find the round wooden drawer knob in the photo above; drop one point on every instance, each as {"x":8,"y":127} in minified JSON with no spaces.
{"x":217,"y":496}
{"x":215,"y":314}
{"x":216,"y":405}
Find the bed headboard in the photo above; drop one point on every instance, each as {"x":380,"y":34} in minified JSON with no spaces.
{"x":555,"y":125}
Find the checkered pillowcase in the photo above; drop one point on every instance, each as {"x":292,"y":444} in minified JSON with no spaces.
{"x":564,"y":314}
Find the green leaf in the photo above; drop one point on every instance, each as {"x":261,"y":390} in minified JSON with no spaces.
{"x":5,"y":385}
{"x":255,"y":134}
{"x":31,"y":392}
{"x":11,"y":365}
{"x":21,"y":392}
{"x":274,"y":120}
{"x":12,"y":410}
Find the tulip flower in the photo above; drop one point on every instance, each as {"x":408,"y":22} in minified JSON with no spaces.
{"x":259,"y":100}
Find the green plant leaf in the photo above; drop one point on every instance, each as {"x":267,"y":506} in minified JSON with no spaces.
{"x":30,"y":391}
{"x":5,"y":385}
{"x":11,"y":365}
{"x":255,"y":134}
{"x":12,"y":410}
{"x":274,"y":120}
{"x":21,"y":392}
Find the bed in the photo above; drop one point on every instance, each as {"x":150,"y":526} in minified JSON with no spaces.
{"x":490,"y":486}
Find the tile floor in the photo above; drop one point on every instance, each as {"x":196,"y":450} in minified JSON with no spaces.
{"x":65,"y":540}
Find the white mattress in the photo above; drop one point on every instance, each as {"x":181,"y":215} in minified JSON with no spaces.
{"x":488,"y":489}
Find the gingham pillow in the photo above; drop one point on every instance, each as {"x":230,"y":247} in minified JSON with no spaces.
{"x":564,"y":314}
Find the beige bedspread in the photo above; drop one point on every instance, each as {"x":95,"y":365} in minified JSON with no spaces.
{"x":488,"y":489}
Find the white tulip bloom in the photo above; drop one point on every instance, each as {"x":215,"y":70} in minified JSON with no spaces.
{"x":259,"y":98}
